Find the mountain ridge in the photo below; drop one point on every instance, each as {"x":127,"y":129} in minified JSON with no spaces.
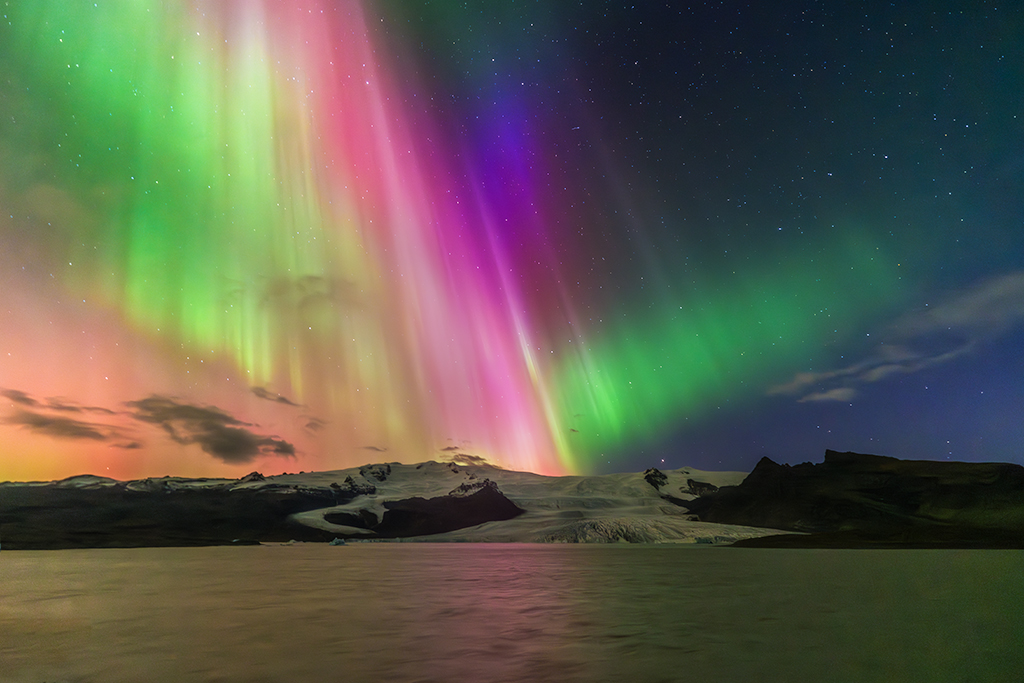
{"x":863,"y":500}
{"x":430,"y":501}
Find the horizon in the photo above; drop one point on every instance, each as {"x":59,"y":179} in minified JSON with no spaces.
{"x":258,"y":235}
{"x":488,"y":465}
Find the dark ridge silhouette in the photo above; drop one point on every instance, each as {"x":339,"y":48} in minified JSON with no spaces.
{"x":53,"y":517}
{"x":856,"y":500}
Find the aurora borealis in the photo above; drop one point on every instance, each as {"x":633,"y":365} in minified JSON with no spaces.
{"x":294,"y":236}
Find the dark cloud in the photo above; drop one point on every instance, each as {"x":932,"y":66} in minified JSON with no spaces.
{"x":59,"y":427}
{"x":53,"y":404}
{"x":378,"y":449}
{"x":314,"y":424}
{"x":467,"y":459}
{"x":276,"y":398}
{"x":309,"y":290}
{"x":129,"y":446}
{"x":19,"y":397}
{"x":67,"y":407}
{"x":450,"y":448}
{"x":216,"y":432}
{"x":58,"y":404}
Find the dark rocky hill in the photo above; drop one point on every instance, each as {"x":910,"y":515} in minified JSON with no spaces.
{"x":856,"y":500}
{"x":54,"y":516}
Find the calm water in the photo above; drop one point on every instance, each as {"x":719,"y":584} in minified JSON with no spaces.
{"x":465,"y":612}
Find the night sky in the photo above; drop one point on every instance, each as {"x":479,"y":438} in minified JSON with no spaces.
{"x":560,"y":237}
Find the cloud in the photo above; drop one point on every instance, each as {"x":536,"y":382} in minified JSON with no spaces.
{"x":803,"y":381}
{"x":378,"y":449}
{"x":987,"y":309}
{"x":314,"y":424}
{"x":216,"y":432}
{"x":40,"y":420}
{"x":67,"y":407}
{"x":882,"y":371}
{"x":25,"y":399}
{"x":921,"y":339}
{"x":19,"y":397}
{"x":59,"y":427}
{"x":837,"y":394}
{"x":276,"y":398}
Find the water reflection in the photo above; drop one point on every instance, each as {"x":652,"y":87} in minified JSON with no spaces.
{"x":421,"y":612}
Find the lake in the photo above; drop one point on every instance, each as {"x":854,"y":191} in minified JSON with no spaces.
{"x":517,"y":612}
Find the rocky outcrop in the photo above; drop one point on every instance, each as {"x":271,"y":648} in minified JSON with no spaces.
{"x":469,"y":488}
{"x":659,"y":480}
{"x":378,"y":472}
{"x":655,"y":477}
{"x":853,"y":499}
{"x":358,"y":488}
{"x":467,"y":505}
{"x":698,"y":488}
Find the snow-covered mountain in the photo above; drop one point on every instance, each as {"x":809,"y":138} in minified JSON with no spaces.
{"x":430,"y":501}
{"x":632,"y":507}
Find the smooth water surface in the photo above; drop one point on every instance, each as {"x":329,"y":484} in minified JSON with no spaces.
{"x":469,"y":612}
